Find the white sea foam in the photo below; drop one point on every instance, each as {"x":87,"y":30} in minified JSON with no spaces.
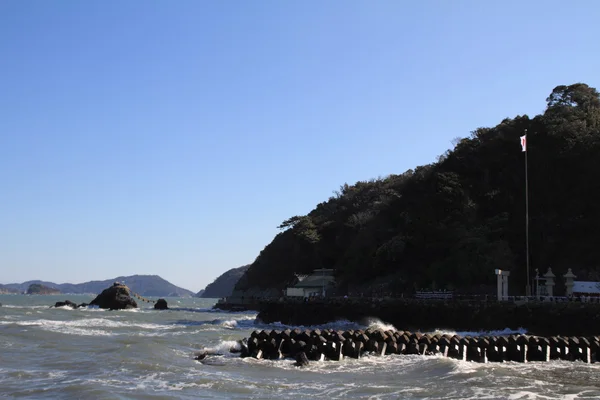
{"x":245,"y":321}
{"x":152,"y":382}
{"x":230,"y":324}
{"x":24,"y":307}
{"x":503,"y":332}
{"x":224,"y":347}
{"x":337,"y":325}
{"x":88,"y":327}
{"x":375,"y":323}
{"x":65,"y":307}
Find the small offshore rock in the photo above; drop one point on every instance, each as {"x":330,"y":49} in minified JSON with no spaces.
{"x":161,"y":304}
{"x":67,"y":303}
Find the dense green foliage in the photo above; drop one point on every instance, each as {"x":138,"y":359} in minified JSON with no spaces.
{"x":451,"y":223}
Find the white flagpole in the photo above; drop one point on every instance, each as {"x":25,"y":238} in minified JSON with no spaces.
{"x":528,"y":286}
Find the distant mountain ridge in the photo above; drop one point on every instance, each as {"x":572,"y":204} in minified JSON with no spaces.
{"x":224,"y":284}
{"x":144,"y":285}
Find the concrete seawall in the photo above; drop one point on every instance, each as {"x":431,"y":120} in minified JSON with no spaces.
{"x":539,"y":318}
{"x":317,"y":345}
{"x":226,"y":306}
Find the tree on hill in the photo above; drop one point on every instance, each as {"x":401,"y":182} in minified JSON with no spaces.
{"x":449,"y":224}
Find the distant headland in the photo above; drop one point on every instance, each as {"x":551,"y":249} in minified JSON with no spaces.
{"x":37,"y":288}
{"x":223,"y":285}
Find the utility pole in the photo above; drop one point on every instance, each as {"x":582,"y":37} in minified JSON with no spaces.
{"x":524,"y":148}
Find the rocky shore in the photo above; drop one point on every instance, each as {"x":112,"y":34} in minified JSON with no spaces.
{"x":320,"y":345}
{"x":571,"y":318}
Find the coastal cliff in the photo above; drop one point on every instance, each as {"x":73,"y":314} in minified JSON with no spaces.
{"x":450,"y":224}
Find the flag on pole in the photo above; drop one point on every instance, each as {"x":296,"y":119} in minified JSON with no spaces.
{"x":524,"y":142}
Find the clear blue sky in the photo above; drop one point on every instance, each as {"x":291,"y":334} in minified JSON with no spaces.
{"x":172,"y":137}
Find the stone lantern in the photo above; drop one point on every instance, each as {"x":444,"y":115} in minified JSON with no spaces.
{"x":540,"y":287}
{"x":549,"y":282}
{"x":569,"y":278}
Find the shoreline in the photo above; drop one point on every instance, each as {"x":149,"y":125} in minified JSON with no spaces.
{"x":570,"y":318}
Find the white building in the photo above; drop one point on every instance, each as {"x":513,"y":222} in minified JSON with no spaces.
{"x":315,"y":284}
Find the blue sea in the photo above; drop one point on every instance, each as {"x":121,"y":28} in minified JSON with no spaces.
{"x":60,"y":353}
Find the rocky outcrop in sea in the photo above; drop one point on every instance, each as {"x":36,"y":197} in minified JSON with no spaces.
{"x":116,"y":297}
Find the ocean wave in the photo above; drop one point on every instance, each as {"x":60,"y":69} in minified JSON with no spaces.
{"x":87,"y":327}
{"x":24,"y":307}
{"x":437,"y":377}
{"x":119,"y":324}
{"x":87,"y":323}
{"x":371,"y":323}
{"x":336,"y":325}
{"x":374,"y":323}
{"x":240,"y":323}
{"x":503,"y":332}
{"x":211,"y":310}
{"x":224,"y":347}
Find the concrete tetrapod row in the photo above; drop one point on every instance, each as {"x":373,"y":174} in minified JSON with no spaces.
{"x":305,"y":345}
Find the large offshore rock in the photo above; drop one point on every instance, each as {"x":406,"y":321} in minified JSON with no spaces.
{"x":116,"y":297}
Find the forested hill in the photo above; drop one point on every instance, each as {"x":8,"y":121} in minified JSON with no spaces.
{"x":451,"y":223}
{"x":37,"y":288}
{"x":224,"y":284}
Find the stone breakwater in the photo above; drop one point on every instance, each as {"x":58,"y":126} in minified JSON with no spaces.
{"x":538,"y":318}
{"x":319,"y":345}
